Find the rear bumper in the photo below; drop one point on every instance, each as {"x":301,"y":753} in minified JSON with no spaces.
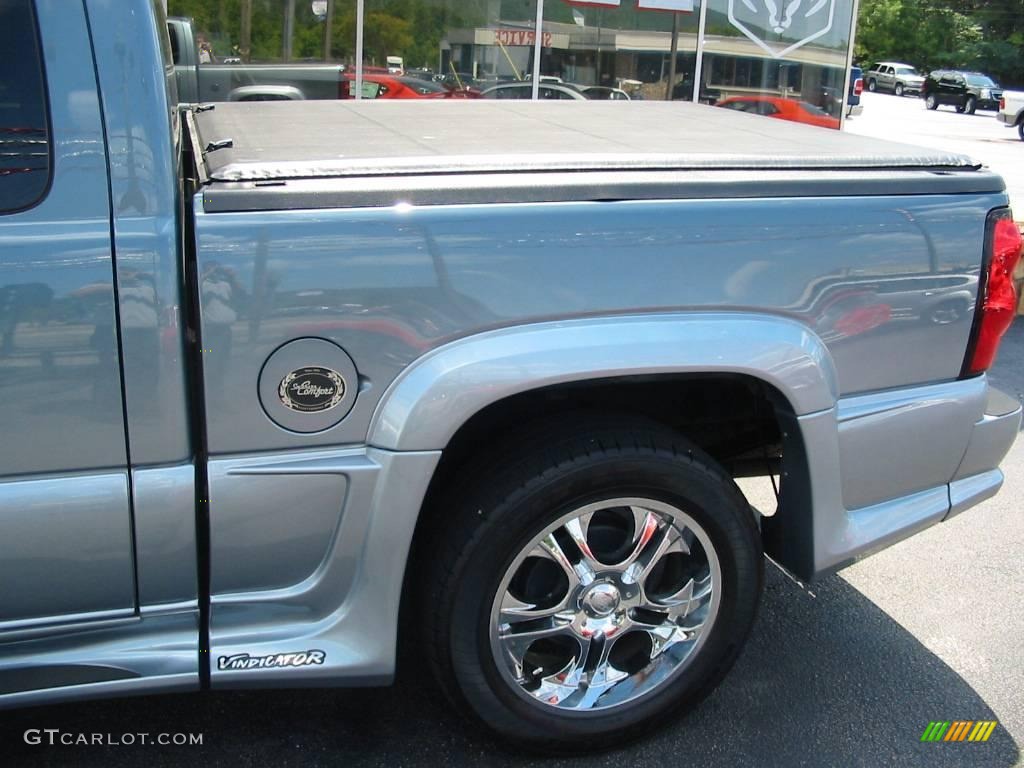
{"x":881,"y":467}
{"x":854,"y":110}
{"x":1006,"y":119}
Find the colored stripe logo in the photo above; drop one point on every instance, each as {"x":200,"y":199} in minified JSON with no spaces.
{"x":959,"y":730}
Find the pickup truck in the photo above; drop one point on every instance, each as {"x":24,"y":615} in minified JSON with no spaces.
{"x":286,"y":384}
{"x":1011,"y":111}
{"x":205,"y":82}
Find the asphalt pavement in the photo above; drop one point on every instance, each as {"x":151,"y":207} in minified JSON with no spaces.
{"x":847,"y":673}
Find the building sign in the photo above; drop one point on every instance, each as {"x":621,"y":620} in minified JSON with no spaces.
{"x":779,"y":27}
{"x":685,"y":6}
{"x":519,"y":38}
{"x":514,"y":37}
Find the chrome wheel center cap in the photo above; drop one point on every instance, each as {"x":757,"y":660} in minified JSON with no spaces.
{"x":601,"y":599}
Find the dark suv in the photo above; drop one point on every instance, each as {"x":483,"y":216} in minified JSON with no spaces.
{"x":967,"y":91}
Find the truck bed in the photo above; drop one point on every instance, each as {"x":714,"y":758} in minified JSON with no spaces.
{"x":344,"y":154}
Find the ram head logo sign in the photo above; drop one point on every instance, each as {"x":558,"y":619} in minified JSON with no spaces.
{"x":795,"y":22}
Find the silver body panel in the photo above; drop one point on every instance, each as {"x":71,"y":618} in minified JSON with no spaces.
{"x":388,"y":285}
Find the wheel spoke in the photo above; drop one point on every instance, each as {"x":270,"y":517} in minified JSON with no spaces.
{"x":655,"y":538}
{"x":513,"y":610}
{"x":517,"y":639}
{"x":577,"y":573}
{"x":578,"y":529}
{"x":594,"y":675}
{"x":693,"y":595}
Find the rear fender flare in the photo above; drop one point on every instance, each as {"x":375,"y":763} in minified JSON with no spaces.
{"x":427,"y":404}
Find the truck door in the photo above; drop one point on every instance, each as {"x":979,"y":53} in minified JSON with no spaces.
{"x":65,"y":518}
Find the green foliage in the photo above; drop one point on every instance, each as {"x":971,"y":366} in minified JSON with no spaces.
{"x":986,"y":35}
{"x":412,"y":29}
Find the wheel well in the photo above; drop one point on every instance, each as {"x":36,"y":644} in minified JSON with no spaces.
{"x":731,"y":417}
{"x":744,"y":423}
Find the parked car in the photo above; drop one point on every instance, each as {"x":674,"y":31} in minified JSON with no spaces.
{"x":831,"y":100}
{"x":893,"y":76}
{"x":1011,"y":111}
{"x":287,"y":386}
{"x":967,"y":91}
{"x":401,"y":87}
{"x":524,"y":90}
{"x":781,"y":109}
{"x":853,"y":100}
{"x":231,"y":80}
{"x":604,"y":93}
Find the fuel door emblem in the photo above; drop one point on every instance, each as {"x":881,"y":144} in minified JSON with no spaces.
{"x":312,"y":389}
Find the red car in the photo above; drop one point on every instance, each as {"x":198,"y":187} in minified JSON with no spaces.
{"x":382,"y":86}
{"x":781,"y":109}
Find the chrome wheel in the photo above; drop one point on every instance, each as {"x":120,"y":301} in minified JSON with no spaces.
{"x":606,"y":604}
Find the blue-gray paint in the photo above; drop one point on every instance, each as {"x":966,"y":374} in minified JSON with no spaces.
{"x":388,"y":285}
{"x":65,"y":547}
{"x":436,"y":395}
{"x":145,"y":179}
{"x":60,"y":386}
{"x":165,"y":534}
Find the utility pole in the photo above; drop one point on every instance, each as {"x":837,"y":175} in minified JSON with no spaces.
{"x":328,"y":24}
{"x":245,"y":44}
{"x":672,"y":57}
{"x":289,"y":29}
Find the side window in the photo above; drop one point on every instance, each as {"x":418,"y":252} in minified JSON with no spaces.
{"x":24,"y":132}
{"x":175,"y":46}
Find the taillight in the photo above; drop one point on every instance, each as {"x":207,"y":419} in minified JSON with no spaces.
{"x":998,"y":300}
{"x":344,"y":91}
{"x":1002,"y":104}
{"x":858,"y":86}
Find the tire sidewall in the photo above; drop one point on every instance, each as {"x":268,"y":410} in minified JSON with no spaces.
{"x":475,"y":669}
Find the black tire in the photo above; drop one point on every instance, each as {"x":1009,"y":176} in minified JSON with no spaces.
{"x":1020,"y":130}
{"x":525,"y":486}
{"x":872,"y":85}
{"x":931,"y":102}
{"x":899,"y":89}
{"x":970,"y":105}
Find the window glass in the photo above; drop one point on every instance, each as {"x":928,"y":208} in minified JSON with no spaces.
{"x":981,"y":81}
{"x":645,"y":49}
{"x":785,"y":52}
{"x":637,"y":49}
{"x":24,"y":135}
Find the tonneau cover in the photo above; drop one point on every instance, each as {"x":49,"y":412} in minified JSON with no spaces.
{"x":336,"y":139}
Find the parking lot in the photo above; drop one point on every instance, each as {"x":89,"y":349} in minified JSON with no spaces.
{"x":848,"y":673}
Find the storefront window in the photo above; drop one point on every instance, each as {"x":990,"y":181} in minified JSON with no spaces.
{"x":784,"y":59}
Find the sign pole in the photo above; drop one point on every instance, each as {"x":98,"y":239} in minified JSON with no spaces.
{"x":246,"y":32}
{"x":289,"y":28}
{"x":538,"y":35}
{"x":328,"y":31}
{"x":698,"y":64}
{"x":359,"y":49}
{"x":673,"y":53}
